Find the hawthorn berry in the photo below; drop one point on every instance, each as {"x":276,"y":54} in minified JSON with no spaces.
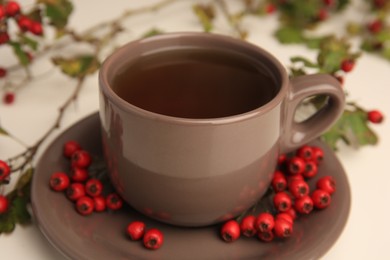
{"x":2,"y":12}
{"x":114,"y":201}
{"x":70,"y":147}
{"x":305,"y":152}
{"x":4,"y":204}
{"x":326,"y":183}
{"x":292,"y":213}
{"x":375,"y":116}
{"x":322,"y":14}
{"x":135,"y":230}
{"x":292,"y":178}
{"x":270,"y":8}
{"x":3,"y":72}
{"x":296,"y":165}
{"x":12,"y":8}
{"x":78,"y":174}
{"x":59,"y":181}
{"x":299,"y":188}
{"x":311,"y":170}
{"x":375,"y":26}
{"x":230,"y":231}
{"x":153,"y":239}
{"x":265,"y":222}
{"x":285,"y":216}
{"x":4,"y":37}
{"x":279,"y":182}
{"x":81,"y":159}
{"x":321,"y":199}
{"x":282,"y":201}
{"x":75,"y":191}
{"x":304,"y":205}
{"x":85,"y":205}
{"x":93,"y":187}
{"x":4,"y":170}
{"x":347,"y":65}
{"x":99,"y":203}
{"x":283,"y":228}
{"x":318,"y":154}
{"x":8,"y":98}
{"x":266,"y":236}
{"x":247,"y":226}
{"x":24,"y":23}
{"x":36,"y":28}
{"x":282,"y":159}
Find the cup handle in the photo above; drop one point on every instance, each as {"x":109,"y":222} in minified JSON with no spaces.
{"x":295,"y":133}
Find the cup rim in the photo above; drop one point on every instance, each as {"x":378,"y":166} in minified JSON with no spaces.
{"x":105,"y":89}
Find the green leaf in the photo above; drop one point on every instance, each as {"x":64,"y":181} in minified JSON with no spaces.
{"x":20,"y":53}
{"x":353,"y":129}
{"x":152,"y":32}
{"x":305,"y":61}
{"x":288,"y":35}
{"x":3,"y":131}
{"x":25,"y":40}
{"x":77,"y":67}
{"x":205,"y":14}
{"x":58,"y":12}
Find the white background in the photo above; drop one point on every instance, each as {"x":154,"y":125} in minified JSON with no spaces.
{"x":35,"y":109}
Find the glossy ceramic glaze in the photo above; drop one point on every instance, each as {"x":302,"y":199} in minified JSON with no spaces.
{"x":196,"y":172}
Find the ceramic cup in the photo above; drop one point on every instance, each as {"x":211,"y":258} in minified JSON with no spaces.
{"x":200,"y":171}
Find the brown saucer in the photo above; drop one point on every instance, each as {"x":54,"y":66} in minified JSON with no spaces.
{"x":102,"y":235}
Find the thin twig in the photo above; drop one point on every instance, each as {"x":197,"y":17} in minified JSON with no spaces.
{"x":233,"y":21}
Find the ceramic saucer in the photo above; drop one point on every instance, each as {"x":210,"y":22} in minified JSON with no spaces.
{"x":102,"y":235}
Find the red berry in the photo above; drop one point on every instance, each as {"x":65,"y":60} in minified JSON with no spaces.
{"x":79,"y":174}
{"x":322,"y":14}
{"x":285,"y":216}
{"x":321,"y":199}
{"x":267,"y":236}
{"x":4,"y":170}
{"x":4,"y":204}
{"x":282,"y":201}
{"x":375,"y":116}
{"x":230,"y":231}
{"x":265,"y":222}
{"x":318,"y":154}
{"x":283,"y":228}
{"x":12,"y":8}
{"x":296,"y":165}
{"x":299,"y":188}
{"x":347,"y":65}
{"x":270,"y":8}
{"x":328,"y":2}
{"x":114,"y":201}
{"x":292,"y":178}
{"x":304,"y":205}
{"x":379,"y":3}
{"x":3,"y":72}
{"x":59,"y":181}
{"x":85,"y":205}
{"x":310,"y":170}
{"x":136,"y":230}
{"x":99,"y":203}
{"x":70,"y":147}
{"x":93,"y":187}
{"x":282,"y":159}
{"x":292,"y":213}
{"x":4,"y":37}
{"x":9,"y":98}
{"x":279,"y":182}
{"x":75,"y":191}
{"x":2,"y":12}
{"x":247,"y":226}
{"x":326,"y":183}
{"x":36,"y":28}
{"x":305,"y":152}
{"x":25,"y":23}
{"x":81,"y":159}
{"x":153,"y":239}
{"x":375,"y":26}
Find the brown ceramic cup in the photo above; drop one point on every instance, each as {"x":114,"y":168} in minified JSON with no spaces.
{"x":199,"y":171}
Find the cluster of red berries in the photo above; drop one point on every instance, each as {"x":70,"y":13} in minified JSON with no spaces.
{"x":292,"y":197}
{"x":152,"y":238}
{"x":85,"y":191}
{"x":4,"y":176}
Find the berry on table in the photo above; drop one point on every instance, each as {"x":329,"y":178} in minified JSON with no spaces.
{"x":304,"y":205}
{"x":230,"y":231}
{"x":265,"y":222}
{"x":283,"y":228}
{"x":375,"y":26}
{"x":4,"y":170}
{"x":153,"y":239}
{"x":70,"y":147}
{"x":75,"y":191}
{"x":99,"y":203}
{"x":322,"y":14}
{"x":326,"y":183}
{"x":114,"y":201}
{"x":9,"y":98}
{"x":347,"y":65}
{"x":12,"y":8}
{"x":2,"y":12}
{"x":321,"y":199}
{"x":4,"y":204}
{"x":247,"y":226}
{"x":282,"y":201}
{"x":296,"y":165}
{"x":135,"y":230}
{"x":81,"y":159}
{"x":375,"y":116}
{"x":59,"y":181}
{"x":25,"y":23}
{"x":93,"y":187}
{"x":36,"y":28}
{"x":3,"y":72}
{"x":4,"y":37}
{"x":85,"y":205}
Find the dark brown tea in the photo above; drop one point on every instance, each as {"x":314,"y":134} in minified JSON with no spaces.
{"x":195,"y":83}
